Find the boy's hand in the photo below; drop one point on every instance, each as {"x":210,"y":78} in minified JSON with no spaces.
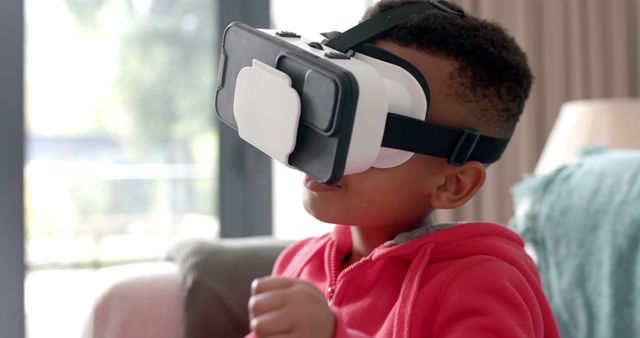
{"x":289,"y":308}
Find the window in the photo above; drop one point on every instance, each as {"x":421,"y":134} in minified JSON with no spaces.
{"x":122,"y":144}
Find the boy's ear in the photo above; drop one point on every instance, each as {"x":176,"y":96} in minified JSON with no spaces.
{"x":459,"y":185}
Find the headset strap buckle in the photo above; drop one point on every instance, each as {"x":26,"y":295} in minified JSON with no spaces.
{"x":465,"y":146}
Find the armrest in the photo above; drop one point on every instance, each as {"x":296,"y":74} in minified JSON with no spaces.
{"x":140,"y":300}
{"x":203,"y":293}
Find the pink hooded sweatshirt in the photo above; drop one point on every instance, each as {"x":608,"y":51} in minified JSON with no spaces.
{"x":471,"y":280}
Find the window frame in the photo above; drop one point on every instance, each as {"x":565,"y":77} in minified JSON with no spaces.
{"x":245,"y":201}
{"x":12,"y":265}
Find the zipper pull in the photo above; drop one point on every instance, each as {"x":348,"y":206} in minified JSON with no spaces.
{"x":330,"y":292}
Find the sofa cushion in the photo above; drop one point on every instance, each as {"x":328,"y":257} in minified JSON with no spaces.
{"x":216,"y":282}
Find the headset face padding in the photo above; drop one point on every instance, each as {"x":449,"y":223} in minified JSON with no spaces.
{"x":376,"y":52}
{"x":406,"y":92}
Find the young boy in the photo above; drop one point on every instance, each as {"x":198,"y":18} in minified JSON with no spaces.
{"x":385,"y":271}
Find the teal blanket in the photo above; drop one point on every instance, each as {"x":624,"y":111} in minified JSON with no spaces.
{"x":583,"y":220}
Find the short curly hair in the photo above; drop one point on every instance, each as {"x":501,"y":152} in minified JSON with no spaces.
{"x":492,"y":77}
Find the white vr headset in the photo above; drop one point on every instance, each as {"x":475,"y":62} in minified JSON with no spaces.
{"x":339,"y":106}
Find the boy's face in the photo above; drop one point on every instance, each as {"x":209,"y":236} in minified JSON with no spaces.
{"x":398,"y":197}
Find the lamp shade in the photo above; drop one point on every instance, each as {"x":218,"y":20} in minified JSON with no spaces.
{"x":613,"y":123}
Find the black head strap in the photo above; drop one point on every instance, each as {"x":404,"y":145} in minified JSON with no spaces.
{"x":456,"y":145}
{"x":380,"y":23}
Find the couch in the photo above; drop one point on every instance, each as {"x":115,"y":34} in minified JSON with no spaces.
{"x":200,"y":291}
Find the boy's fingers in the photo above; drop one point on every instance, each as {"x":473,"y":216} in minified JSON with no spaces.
{"x":266,"y":302}
{"x":272,"y":324}
{"x":270,"y":283}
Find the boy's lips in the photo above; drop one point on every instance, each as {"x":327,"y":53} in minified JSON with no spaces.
{"x":315,"y":186}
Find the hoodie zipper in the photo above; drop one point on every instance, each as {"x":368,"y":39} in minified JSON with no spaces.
{"x":337,"y":276}
{"x":333,"y":272}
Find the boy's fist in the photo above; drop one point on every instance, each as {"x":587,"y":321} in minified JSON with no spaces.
{"x":288,"y":308}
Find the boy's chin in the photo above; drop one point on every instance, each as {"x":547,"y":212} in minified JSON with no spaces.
{"x":335,"y":213}
{"x":322,"y":210}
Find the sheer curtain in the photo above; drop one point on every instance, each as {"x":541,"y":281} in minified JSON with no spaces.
{"x":577,"y":49}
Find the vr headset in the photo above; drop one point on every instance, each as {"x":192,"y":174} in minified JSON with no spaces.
{"x":337,"y":105}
